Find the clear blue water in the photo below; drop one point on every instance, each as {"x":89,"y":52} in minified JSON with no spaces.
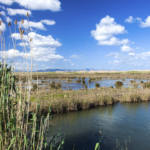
{"x":119,"y":127}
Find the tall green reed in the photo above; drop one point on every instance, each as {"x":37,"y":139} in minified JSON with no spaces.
{"x":19,"y":128}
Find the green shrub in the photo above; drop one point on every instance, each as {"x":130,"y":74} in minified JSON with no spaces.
{"x":97,"y":85}
{"x":118,"y":84}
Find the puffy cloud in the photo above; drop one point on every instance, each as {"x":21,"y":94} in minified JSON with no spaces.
{"x":7,"y":2}
{"x":48,"y":22}
{"x":146,"y":23}
{"x":13,"y":12}
{"x":17,"y":36}
{"x":53,"y":5}
{"x":143,"y":24}
{"x":27,"y":24}
{"x":130,"y":19}
{"x":126,"y":48}
{"x":106,"y":32}
{"x":8,"y":19}
{"x":2,"y":13}
{"x":42,"y":48}
{"x":12,"y":53}
{"x":38,"y":25}
{"x":114,"y":41}
{"x":40,"y":40}
{"x":138,"y":19}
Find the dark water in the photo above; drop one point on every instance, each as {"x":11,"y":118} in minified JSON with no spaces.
{"x":119,"y":127}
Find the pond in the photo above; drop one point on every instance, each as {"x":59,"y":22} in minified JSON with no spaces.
{"x":122,"y":126}
{"x":74,"y":84}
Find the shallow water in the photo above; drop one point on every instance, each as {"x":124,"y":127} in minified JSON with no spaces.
{"x":73,"y":85}
{"x":123,"y":126}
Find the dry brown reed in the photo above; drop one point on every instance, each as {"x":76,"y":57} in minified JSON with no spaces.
{"x":65,"y":101}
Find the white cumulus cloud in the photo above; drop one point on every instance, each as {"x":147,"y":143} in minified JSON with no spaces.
{"x":12,"y":53}
{"x":126,"y":48}
{"x":48,"y":22}
{"x":53,"y":5}
{"x":27,"y":24}
{"x":38,"y":25}
{"x":43,"y":48}
{"x":13,"y":12}
{"x":146,"y":23}
{"x":130,"y":19}
{"x":8,"y":19}
{"x":106,"y":32}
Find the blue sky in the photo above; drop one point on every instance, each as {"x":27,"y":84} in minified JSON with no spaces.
{"x":78,"y":34}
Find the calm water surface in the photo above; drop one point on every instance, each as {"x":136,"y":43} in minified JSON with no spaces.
{"x":73,"y":85}
{"x":123,"y":126}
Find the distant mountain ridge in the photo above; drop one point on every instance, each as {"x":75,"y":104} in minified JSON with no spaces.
{"x":63,"y":70}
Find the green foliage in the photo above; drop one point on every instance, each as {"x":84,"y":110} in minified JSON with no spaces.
{"x":8,"y":100}
{"x":97,"y":146}
{"x":18,"y":129}
{"x":7,"y":92}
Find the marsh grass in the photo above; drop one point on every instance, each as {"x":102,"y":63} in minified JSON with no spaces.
{"x":97,"y":85}
{"x":20,"y":129}
{"x":93,"y":76}
{"x":55,"y":85}
{"x":119,"y":84}
{"x":146,"y":85}
{"x":62,"y":101}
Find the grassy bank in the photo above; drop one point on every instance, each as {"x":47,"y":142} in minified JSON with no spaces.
{"x":66,"y":101}
{"x":92,"y":75}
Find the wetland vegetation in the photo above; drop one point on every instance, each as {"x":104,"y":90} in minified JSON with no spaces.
{"x":74,"y":91}
{"x":30,"y":102}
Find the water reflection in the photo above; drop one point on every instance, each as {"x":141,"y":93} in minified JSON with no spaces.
{"x":120,"y":126}
{"x":74,"y":84}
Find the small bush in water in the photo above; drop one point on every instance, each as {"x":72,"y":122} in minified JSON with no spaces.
{"x":55,"y":85}
{"x":97,"y":85}
{"x":118,"y":84}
